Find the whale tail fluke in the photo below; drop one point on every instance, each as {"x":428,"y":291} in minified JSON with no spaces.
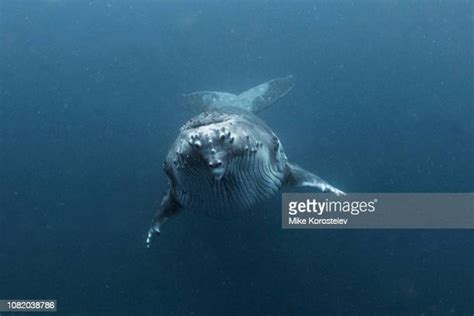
{"x":298,"y":177}
{"x":262,"y":96}
{"x":254,"y":100}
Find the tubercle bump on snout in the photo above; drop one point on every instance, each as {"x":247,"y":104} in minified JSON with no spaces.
{"x":215,"y":164}
{"x":209,"y":139}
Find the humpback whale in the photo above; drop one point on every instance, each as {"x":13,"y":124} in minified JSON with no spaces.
{"x":226,"y":159}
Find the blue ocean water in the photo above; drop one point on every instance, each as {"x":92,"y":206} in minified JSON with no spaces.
{"x":90,"y":103}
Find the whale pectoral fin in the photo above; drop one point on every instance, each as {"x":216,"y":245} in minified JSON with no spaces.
{"x":297,"y":176}
{"x":202,"y":100}
{"x":169,"y":207}
{"x":262,"y":96}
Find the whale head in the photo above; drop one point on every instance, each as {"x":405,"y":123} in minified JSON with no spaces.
{"x":207,"y":148}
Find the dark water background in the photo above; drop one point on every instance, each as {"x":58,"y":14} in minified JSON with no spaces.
{"x":89,"y":104}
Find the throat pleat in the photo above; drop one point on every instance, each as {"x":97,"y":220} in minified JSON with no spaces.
{"x":249,"y":178}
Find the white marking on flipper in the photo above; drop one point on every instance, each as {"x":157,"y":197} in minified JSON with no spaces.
{"x":297,"y":176}
{"x":324,"y":186}
{"x":154,"y":230}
